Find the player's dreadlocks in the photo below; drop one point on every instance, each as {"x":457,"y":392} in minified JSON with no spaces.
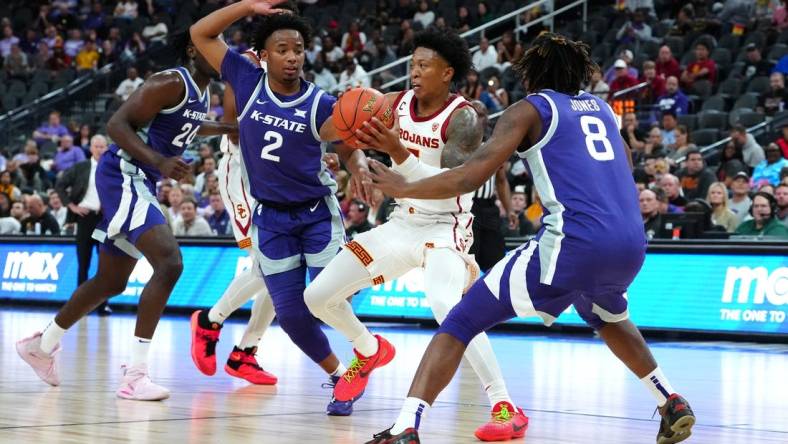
{"x":557,"y":63}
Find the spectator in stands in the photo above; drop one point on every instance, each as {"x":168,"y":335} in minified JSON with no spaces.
{"x":764,"y":221}
{"x":768,"y":171}
{"x":509,"y":50}
{"x":88,"y":57}
{"x":41,"y":57}
{"x":63,"y":18}
{"x":156,"y":32}
{"x":7,"y":186}
{"x":755,"y":66}
{"x":52,"y":131}
{"x":424,"y":15}
{"x":494,"y":97}
{"x":752,"y":152}
{"x":357,"y":219}
{"x":236,"y":43}
{"x":29,"y":44}
{"x":683,"y":25}
{"x":51,"y":37}
{"x":464,"y":19}
{"x":129,"y":85}
{"x":57,"y":209}
{"x":740,"y":196}
{"x":208,"y":168}
{"x":219,"y":220}
{"x":672,"y":187}
{"x":731,"y":163}
{"x":622,"y":79}
{"x":517,"y":204}
{"x":60,"y":60}
{"x":597,"y":86}
{"x":472,"y":89}
{"x":16,"y":65}
{"x":331,"y":55}
{"x":485,"y":56}
{"x":216,"y":111}
{"x":633,"y":135}
{"x":683,"y":144}
{"x":782,"y":142}
{"x":611,"y":73}
{"x":96,"y":18}
{"x":635,"y":31}
{"x":9,"y":40}
{"x":189,"y":223}
{"x":667,"y":65}
{"x":135,"y":47}
{"x":83,"y":137}
{"x":13,"y":223}
{"x":67,"y":155}
{"x":5,"y":205}
{"x":127,"y":10}
{"x":353,"y":37}
{"x":654,"y":143}
{"x":766,"y":188}
{"x":174,"y":198}
{"x":669,"y":124}
{"x":703,"y":68}
{"x":649,"y":210}
{"x":74,"y":43}
{"x":383,"y":55}
{"x":353,"y":75}
{"x":735,"y":15}
{"x":323,"y":77}
{"x":721,"y":215}
{"x":774,"y":99}
{"x":695,"y":178}
{"x":655,"y":87}
{"x":483,"y":12}
{"x":674,"y":100}
{"x":39,"y":220}
{"x":781,"y":195}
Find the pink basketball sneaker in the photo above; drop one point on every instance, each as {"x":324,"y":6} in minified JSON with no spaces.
{"x":136,"y":385}
{"x":44,"y":364}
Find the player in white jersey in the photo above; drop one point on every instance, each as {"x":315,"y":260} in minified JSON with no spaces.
{"x":435,"y":130}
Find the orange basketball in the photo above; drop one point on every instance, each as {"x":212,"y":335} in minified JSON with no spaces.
{"x":357,"y":106}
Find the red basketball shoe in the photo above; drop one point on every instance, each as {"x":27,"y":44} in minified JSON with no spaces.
{"x":205,"y":335}
{"x":355,"y":379}
{"x":242,"y":364}
{"x":506,"y":423}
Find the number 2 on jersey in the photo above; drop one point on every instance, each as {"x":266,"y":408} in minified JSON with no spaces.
{"x":275,"y":140}
{"x":189,"y":132}
{"x":598,"y":136}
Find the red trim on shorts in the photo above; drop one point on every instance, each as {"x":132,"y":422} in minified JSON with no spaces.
{"x":244,"y":228}
{"x":445,"y":126}
{"x":416,"y":118}
{"x":454,"y":231}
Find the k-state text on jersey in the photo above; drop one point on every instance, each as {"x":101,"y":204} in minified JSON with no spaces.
{"x":278,"y":122}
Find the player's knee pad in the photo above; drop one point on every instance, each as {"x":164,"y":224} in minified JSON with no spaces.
{"x":304,"y":330}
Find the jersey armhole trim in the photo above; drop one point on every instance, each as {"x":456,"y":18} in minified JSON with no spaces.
{"x":445,"y":125}
{"x":550,"y":130}
{"x":185,"y":93}
{"x":252,"y":98}
{"x":313,"y":115}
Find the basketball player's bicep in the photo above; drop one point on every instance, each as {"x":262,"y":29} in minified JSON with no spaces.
{"x":463,"y":137}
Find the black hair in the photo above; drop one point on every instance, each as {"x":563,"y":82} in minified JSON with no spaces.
{"x":555,"y":62}
{"x":693,"y":151}
{"x":272,"y":23}
{"x":450,"y":46}
{"x":180,"y":43}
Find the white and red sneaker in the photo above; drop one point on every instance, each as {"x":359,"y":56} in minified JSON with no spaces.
{"x":136,"y":385}
{"x":44,"y":364}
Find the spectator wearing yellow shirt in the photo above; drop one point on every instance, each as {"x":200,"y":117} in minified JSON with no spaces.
{"x":87,"y":57}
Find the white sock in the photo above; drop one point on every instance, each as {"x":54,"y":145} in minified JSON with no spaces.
{"x":658,"y":385}
{"x":413,"y":411}
{"x":139,"y":351}
{"x":496,"y":392}
{"x":341,"y":369}
{"x":366,"y":344}
{"x":51,"y":336}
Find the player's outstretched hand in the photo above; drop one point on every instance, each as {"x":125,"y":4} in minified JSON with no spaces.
{"x":390,"y":182}
{"x":265,"y":7}
{"x":374,"y":134}
{"x":173,"y":167}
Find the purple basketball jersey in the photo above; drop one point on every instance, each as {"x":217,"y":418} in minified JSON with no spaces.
{"x":172,"y":130}
{"x":592,"y":235}
{"x":279,"y":135}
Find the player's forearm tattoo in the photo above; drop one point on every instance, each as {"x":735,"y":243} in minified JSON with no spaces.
{"x":464,"y":135}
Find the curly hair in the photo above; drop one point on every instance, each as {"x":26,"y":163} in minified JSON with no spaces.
{"x":450,"y":46}
{"x":180,"y":44}
{"x":269,"y":24}
{"x":555,"y":62}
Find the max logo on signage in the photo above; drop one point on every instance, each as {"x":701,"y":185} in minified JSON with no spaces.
{"x":36,"y":266}
{"x":756,"y":285}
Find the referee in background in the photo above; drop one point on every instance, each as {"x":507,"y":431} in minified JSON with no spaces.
{"x":488,"y":241}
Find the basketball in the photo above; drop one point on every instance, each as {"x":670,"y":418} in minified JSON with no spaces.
{"x":359,"y":105}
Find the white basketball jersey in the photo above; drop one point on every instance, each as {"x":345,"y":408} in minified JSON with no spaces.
{"x":227,"y":146}
{"x":425,"y":137}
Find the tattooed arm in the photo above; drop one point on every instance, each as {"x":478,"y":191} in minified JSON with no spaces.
{"x":463,"y":137}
